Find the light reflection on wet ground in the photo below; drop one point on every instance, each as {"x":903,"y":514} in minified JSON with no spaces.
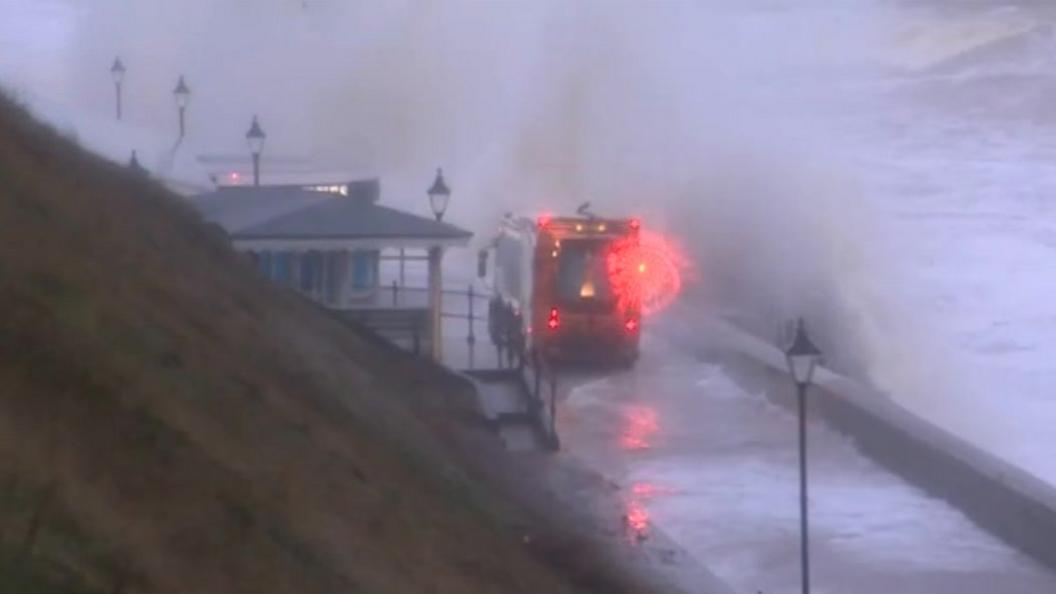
{"x":640,"y":426}
{"x":636,"y":517}
{"x":726,"y":490}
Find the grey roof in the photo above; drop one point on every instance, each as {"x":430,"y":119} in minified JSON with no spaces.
{"x":344,"y":218}
{"x":295,"y":213}
{"x":236,"y":209}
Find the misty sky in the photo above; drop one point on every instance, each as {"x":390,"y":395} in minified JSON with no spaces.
{"x":709,"y":119}
{"x":523,"y":99}
{"x":724,"y":123}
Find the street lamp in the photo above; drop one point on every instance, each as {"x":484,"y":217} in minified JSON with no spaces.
{"x":803,"y":357}
{"x":182,"y":94}
{"x":255,"y":139}
{"x":439,"y":195}
{"x":117,"y":72}
{"x":133,"y":164}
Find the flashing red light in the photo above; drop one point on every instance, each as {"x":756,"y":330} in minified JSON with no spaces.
{"x":635,"y":224}
{"x":631,"y":325}
{"x":645,"y":272}
{"x":554,"y":322}
{"x":544,"y":221}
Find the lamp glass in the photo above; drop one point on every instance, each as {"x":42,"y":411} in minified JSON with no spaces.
{"x":255,"y":137}
{"x":802,"y":356}
{"x":256,"y":144}
{"x":802,"y":367}
{"x":438,"y":202}
{"x":117,"y":71}
{"x":182,"y":94}
{"x":439,"y":195}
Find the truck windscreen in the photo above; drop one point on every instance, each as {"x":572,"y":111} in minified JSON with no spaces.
{"x":582,"y":275}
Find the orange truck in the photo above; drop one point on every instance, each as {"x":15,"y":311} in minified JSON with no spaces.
{"x":570,"y":282}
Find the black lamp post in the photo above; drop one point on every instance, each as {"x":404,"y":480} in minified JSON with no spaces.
{"x":117,"y":72}
{"x":255,"y":139}
{"x":439,"y":195}
{"x":133,"y":164}
{"x":803,"y":357}
{"x":182,"y":94}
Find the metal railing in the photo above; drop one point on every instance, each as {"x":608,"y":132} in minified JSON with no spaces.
{"x":473,"y":312}
{"x":396,"y":325}
{"x":505,"y":330}
{"x":540,"y":378}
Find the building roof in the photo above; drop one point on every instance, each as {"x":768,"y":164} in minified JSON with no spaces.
{"x":287,"y":213}
{"x":341,"y":217}
{"x":236,"y":209}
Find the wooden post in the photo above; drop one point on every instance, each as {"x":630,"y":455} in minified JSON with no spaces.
{"x":435,"y":303}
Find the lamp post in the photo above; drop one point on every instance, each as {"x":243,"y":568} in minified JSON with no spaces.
{"x":133,"y":164}
{"x":439,"y":195}
{"x":255,"y":139}
{"x":182,"y":94}
{"x":117,"y":72}
{"x":803,"y":357}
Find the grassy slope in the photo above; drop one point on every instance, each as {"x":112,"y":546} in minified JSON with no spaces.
{"x":194,"y":429}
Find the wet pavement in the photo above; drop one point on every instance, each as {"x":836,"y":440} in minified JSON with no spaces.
{"x":714,"y":467}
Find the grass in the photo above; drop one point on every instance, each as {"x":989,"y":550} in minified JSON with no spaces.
{"x":199,"y":430}
{"x":42,"y":549}
{"x":19,"y":577}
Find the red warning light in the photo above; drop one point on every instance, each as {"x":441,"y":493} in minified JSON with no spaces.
{"x":554,"y":322}
{"x":631,"y":325}
{"x":635,"y":224}
{"x":544,"y":221}
{"x":645,"y":272}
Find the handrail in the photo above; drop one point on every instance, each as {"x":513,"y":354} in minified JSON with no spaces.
{"x":396,"y":288}
{"x":470,"y":315}
{"x":507,"y":333}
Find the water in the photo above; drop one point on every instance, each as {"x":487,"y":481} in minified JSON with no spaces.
{"x":956,"y":154}
{"x":715,"y":468}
